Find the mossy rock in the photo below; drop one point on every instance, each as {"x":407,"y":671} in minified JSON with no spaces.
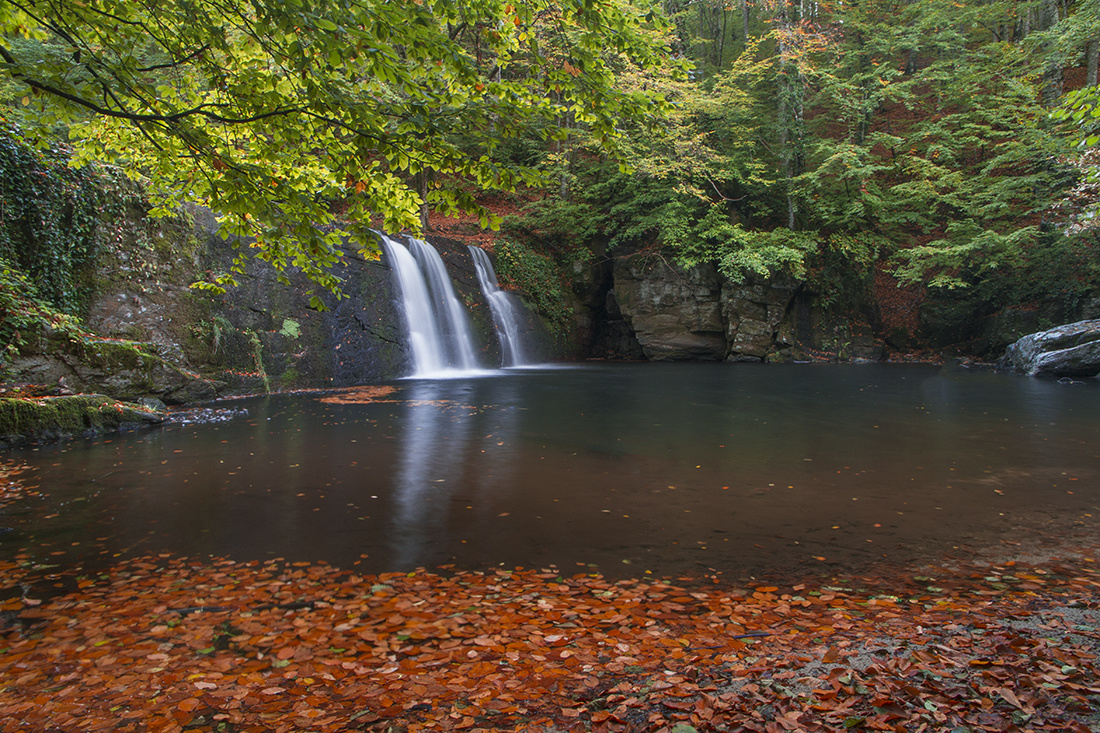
{"x":53,"y":418}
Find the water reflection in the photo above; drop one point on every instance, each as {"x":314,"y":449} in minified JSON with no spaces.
{"x":628,"y":467}
{"x":455,"y":465}
{"x":435,"y":441}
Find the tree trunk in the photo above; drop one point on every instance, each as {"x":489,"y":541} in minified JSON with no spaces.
{"x":790,"y":113}
{"x":722,"y":39}
{"x":1053,"y":76}
{"x":422,"y":190}
{"x":1092,"y":56}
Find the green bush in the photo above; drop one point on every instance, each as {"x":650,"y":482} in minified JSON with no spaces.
{"x":22,"y":315}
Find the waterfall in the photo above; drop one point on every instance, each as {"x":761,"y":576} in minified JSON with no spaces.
{"x":439,"y":333}
{"x":504,"y":309}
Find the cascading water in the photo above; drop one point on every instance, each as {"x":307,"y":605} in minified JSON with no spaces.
{"x":439,"y":334}
{"x":505,"y":311}
{"x":451,"y":316}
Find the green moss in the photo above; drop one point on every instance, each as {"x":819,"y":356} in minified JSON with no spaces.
{"x":258,"y":358}
{"x":24,"y":420}
{"x":289,"y":378}
{"x":541,"y":279}
{"x":127,"y":355}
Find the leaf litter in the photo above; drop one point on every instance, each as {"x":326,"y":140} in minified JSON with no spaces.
{"x":163,"y":643}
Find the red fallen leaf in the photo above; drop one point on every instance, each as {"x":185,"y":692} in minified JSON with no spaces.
{"x":188,"y":704}
{"x":831,"y":655}
{"x":272,"y":690}
{"x":206,"y":685}
{"x":286,"y":652}
{"x":677,"y":705}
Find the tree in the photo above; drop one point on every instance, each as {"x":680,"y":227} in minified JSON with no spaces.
{"x":269,"y":112}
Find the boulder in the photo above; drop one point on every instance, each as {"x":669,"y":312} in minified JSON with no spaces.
{"x":1072,"y":350}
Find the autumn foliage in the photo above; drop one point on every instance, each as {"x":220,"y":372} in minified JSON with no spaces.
{"x":171,"y":644}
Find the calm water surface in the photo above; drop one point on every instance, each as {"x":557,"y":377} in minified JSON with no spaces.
{"x":669,"y":468}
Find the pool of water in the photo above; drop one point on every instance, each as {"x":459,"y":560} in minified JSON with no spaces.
{"x":624,"y":468}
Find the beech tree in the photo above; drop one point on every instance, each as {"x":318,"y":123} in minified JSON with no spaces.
{"x":268,"y":112}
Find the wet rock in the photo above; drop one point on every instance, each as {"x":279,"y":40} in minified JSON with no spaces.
{"x":206,"y":415}
{"x":1072,"y":350}
{"x":123,"y":370}
{"x":675,"y":313}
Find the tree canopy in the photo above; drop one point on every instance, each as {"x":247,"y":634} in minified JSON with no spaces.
{"x":830,"y":141}
{"x":271,"y":113}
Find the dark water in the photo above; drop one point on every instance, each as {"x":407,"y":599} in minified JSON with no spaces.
{"x":668,"y":468}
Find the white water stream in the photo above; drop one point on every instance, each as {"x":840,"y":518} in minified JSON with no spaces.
{"x":439,"y":332}
{"x":506,"y":315}
{"x":440,"y":340}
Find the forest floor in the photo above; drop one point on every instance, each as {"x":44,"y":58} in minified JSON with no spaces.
{"x":1001,"y":639}
{"x":172,"y":644}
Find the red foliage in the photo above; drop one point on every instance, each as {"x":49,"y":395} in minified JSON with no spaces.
{"x":167,"y":644}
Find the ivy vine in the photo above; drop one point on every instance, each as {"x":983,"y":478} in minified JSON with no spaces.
{"x":49,"y":220}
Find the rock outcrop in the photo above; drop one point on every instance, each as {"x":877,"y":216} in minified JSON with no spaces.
{"x":1072,"y":350}
{"x":51,"y":418}
{"x":675,"y":314}
{"x":752,"y":312}
{"x":694,"y":313}
{"x":123,"y":369}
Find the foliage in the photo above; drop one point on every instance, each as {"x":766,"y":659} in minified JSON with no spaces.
{"x":258,"y":358}
{"x":540,"y":278}
{"x":24,"y":316}
{"x":696,"y":182}
{"x":957,"y":174}
{"x":839,"y":135}
{"x":299,"y":646}
{"x":1081,"y":108}
{"x":269,"y":112}
{"x":49,"y":221}
{"x":554,"y":221}
{"x":1078,"y":209}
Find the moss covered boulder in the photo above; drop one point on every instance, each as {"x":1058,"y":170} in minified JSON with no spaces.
{"x":24,"y":420}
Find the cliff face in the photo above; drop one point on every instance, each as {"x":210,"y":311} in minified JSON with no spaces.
{"x":157,"y":337}
{"x":675,"y":314}
{"x":653,"y":309}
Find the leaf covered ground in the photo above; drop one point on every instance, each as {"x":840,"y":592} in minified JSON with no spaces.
{"x":172,"y":644}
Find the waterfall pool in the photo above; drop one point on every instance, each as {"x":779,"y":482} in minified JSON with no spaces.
{"x":620,"y":468}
